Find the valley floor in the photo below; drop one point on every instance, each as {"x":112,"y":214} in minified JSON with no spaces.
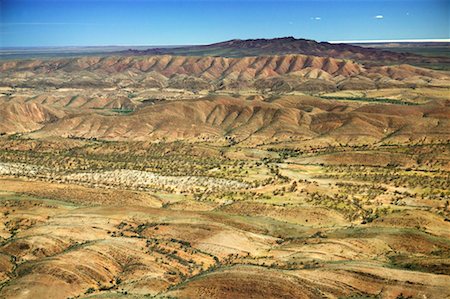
{"x":197,"y":220}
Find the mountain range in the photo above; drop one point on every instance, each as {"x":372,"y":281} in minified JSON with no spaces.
{"x":291,"y":45}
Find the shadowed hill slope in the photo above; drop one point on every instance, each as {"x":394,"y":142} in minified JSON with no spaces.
{"x":287,"y":118}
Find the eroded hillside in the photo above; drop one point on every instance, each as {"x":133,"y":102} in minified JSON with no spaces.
{"x":420,"y":116}
{"x":276,"y":73}
{"x":208,"y":177}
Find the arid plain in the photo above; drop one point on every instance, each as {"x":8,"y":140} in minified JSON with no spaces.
{"x":310,"y":170}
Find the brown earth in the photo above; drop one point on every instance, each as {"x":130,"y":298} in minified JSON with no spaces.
{"x":55,"y":249}
{"x":221,"y":118}
{"x":276,"y":73}
{"x":213,"y":177}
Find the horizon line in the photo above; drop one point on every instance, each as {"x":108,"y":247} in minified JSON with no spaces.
{"x":431,"y":40}
{"x":420,"y":40}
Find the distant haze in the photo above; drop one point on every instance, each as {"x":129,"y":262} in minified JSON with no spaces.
{"x":437,"y":40}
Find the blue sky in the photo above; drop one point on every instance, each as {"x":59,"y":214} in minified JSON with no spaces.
{"x":171,"y":22}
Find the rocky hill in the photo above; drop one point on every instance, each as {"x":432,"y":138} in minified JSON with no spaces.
{"x":291,"y":45}
{"x":278,"y":73}
{"x":232,"y":120}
